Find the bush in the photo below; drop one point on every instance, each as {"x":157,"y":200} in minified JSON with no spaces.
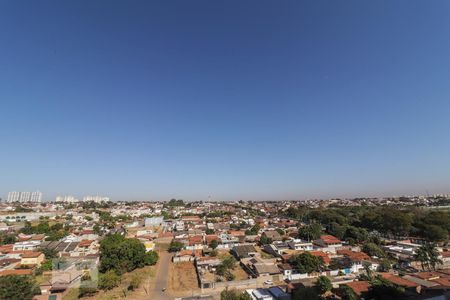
{"x":135,"y":282}
{"x":151,"y":258}
{"x":108,"y":280}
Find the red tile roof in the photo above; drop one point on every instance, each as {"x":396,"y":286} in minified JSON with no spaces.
{"x":329,"y":239}
{"x":398,"y":280}
{"x":428,"y":275}
{"x":325,"y":257}
{"x":442,"y":281}
{"x":31,"y":254}
{"x":194,"y":240}
{"x":6,"y":248}
{"x":359,"y":287}
{"x":16,"y":272}
{"x":237,"y":232}
{"x":353,"y":255}
{"x":85,"y":243}
{"x":211,"y":237}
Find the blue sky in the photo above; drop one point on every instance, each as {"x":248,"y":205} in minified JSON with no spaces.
{"x":232,"y":99}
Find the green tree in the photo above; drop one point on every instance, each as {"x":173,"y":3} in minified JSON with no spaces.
{"x":151,"y":258}
{"x":49,"y":253}
{"x":234,"y":295}
{"x":264,"y":240}
{"x":18,"y":287}
{"x":310,"y":232}
{"x":108,"y":280}
{"x":175,"y":246}
{"x":382,"y":289}
{"x":121,"y":254}
{"x":347,"y":293}
{"x":373,"y":249}
{"x":304,"y":293}
{"x":7,"y":239}
{"x":433,"y":256}
{"x":428,"y":256}
{"x":307,"y":263}
{"x":214,"y":244}
{"x":323,"y":284}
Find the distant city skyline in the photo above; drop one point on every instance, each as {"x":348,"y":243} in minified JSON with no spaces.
{"x":254,"y":100}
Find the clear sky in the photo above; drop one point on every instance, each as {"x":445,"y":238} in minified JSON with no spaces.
{"x":232,"y":99}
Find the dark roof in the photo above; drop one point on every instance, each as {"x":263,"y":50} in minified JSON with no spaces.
{"x":243,"y":250}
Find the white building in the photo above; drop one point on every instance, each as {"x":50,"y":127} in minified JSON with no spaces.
{"x":154,"y":221}
{"x":24,"y":196}
{"x":67,"y":199}
{"x":95,"y":199}
{"x":13,"y":196}
{"x":36,"y":196}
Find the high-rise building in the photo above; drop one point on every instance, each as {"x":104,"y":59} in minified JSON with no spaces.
{"x":13,"y":196}
{"x":24,"y":196}
{"x":36,"y":196}
{"x":97,"y":199}
{"x":67,"y":199}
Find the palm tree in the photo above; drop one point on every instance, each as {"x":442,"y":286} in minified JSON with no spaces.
{"x":428,"y":256}
{"x":422,"y":256}
{"x":433,"y":256}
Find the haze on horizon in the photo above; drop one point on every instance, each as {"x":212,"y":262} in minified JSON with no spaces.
{"x":260,"y":100}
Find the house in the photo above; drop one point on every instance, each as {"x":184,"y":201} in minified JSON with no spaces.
{"x":359,"y":287}
{"x":211,"y":237}
{"x":328,"y":243}
{"x":358,"y":259}
{"x":244,"y":251}
{"x":153,"y":221}
{"x":32,"y":258}
{"x":187,"y":255}
{"x":299,"y":244}
{"x":195,"y":242}
{"x":26,"y":245}
{"x":259,"y":294}
{"x":403,"y":282}
{"x":265,"y":269}
{"x":278,"y":293}
{"x":273,"y":235}
{"x":276,"y":248}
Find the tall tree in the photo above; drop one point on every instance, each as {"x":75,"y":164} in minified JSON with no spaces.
{"x":18,"y":287}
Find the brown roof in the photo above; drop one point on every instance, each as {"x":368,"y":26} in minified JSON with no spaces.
{"x":442,"y":281}
{"x":359,"y":287}
{"x":85,"y":243}
{"x":325,"y":257}
{"x":237,"y":233}
{"x":398,"y":280}
{"x":354,"y":255}
{"x":329,"y":239}
{"x":428,"y":275}
{"x":31,"y":254}
{"x":196,"y":239}
{"x":6,"y":248}
{"x":211,"y":237}
{"x":16,"y":272}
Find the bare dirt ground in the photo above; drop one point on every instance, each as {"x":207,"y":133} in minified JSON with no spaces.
{"x":182,"y":279}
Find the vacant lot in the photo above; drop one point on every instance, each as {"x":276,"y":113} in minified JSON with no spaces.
{"x":121,"y":292}
{"x":183,"y":279}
